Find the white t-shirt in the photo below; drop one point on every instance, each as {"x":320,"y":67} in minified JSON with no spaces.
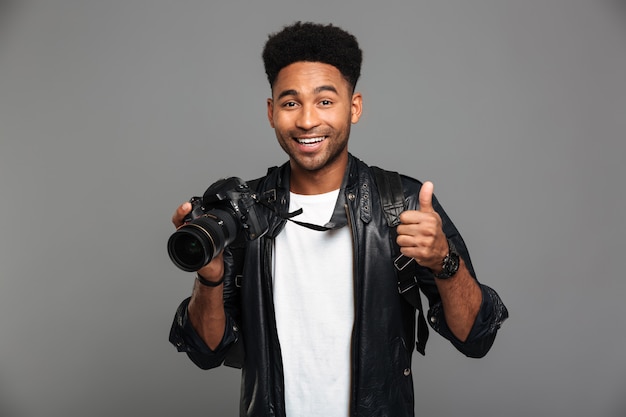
{"x":314,"y":303}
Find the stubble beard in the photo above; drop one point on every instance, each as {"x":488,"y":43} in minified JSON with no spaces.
{"x":318,"y":162}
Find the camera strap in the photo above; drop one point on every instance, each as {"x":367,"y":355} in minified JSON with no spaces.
{"x":311,"y":226}
{"x":335,"y":222}
{"x":289,"y":216}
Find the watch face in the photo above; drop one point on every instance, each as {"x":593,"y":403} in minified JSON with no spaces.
{"x":450,"y":263}
{"x":453,"y":264}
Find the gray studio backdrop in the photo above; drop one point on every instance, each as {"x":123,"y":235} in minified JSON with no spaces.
{"x":113,"y":112}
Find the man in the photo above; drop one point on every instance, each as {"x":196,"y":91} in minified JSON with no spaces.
{"x":316,"y":321}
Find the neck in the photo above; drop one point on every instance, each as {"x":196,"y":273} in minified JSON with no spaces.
{"x":321,"y":181}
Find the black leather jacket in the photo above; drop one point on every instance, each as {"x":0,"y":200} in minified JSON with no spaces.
{"x":384,"y":330}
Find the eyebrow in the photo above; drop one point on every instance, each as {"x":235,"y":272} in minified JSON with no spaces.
{"x":316,"y":91}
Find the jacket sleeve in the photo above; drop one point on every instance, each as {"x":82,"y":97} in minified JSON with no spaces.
{"x":230,"y":350}
{"x":489,"y":319}
{"x":492,"y":310}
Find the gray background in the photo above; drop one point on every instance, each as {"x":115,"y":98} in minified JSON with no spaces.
{"x":113,"y":112}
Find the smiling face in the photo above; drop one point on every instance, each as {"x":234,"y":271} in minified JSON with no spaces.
{"x":311,"y":110}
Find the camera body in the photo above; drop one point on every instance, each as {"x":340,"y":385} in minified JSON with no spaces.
{"x":226,"y":214}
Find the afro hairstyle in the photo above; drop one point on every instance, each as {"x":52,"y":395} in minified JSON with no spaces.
{"x":313,"y":42}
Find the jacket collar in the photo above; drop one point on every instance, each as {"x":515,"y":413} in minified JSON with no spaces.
{"x":348,"y":194}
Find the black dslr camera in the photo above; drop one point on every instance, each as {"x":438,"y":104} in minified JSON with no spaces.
{"x":225,"y":214}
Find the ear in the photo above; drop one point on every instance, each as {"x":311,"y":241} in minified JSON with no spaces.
{"x":270,"y":111}
{"x":357,"y":107}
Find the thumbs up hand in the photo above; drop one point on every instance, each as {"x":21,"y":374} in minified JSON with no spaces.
{"x":426,"y":197}
{"x":420,"y":234}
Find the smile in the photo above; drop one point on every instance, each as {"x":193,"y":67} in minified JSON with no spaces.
{"x":310,"y":141}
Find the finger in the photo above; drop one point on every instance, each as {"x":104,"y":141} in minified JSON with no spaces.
{"x":180,"y":213}
{"x":426,"y":197}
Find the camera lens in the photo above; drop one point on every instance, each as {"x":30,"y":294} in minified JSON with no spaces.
{"x":194,"y":244}
{"x":189,"y":250}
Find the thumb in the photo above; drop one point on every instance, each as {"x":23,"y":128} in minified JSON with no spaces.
{"x":426,"y":197}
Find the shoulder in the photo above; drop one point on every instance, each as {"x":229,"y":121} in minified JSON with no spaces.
{"x":389,"y":183}
{"x":271,"y":180}
{"x":410,"y":185}
{"x":406,"y":179}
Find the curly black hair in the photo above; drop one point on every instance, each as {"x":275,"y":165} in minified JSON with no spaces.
{"x":313,"y":42}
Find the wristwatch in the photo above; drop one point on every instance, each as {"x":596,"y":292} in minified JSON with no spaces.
{"x":450,"y":263}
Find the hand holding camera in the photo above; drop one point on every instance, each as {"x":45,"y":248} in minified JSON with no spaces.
{"x":214,"y":270}
{"x":224,"y":215}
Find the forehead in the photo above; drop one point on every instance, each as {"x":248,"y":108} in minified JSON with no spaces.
{"x":306,"y":77}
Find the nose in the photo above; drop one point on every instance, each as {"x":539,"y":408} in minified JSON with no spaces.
{"x":308,"y":118}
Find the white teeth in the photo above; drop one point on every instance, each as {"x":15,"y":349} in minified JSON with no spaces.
{"x":310,"y":141}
